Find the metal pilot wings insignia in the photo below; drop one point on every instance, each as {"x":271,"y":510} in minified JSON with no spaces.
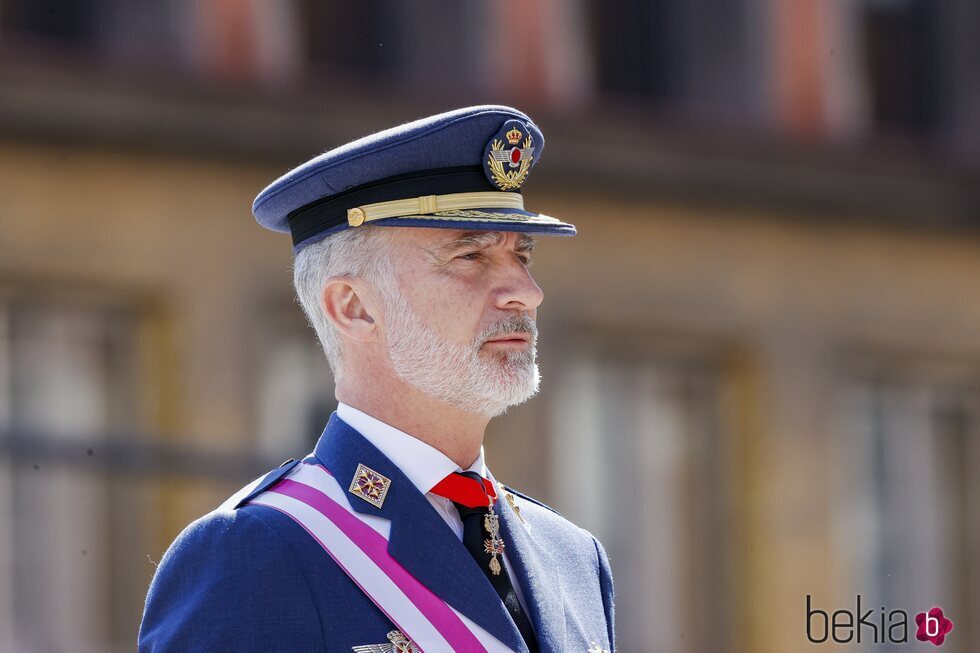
{"x":370,"y":485}
{"x":397,"y":643}
{"x":509,"y":155}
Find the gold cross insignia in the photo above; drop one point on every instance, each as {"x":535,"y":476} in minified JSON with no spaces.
{"x":370,"y":485}
{"x":397,"y":643}
{"x":595,"y":648}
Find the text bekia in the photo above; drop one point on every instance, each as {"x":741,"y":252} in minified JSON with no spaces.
{"x":844,"y":626}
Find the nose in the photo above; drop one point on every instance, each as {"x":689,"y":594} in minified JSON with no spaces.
{"x":519,"y":291}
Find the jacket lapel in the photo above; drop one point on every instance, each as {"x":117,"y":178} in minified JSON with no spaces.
{"x":420,"y":540}
{"x":537,"y":572}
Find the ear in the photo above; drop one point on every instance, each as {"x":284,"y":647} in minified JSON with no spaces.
{"x":346,"y":309}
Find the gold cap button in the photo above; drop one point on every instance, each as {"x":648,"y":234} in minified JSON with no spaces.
{"x":355,"y":217}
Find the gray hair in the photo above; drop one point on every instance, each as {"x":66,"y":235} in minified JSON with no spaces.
{"x":359,"y":252}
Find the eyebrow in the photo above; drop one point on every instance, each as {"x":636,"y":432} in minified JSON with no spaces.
{"x":483,"y":240}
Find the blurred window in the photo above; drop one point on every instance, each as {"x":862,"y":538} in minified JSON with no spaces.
{"x":68,"y":21}
{"x":640,"y":461}
{"x":907,"y":509}
{"x":634,"y":47}
{"x":357,"y":36}
{"x":700,"y":54}
{"x":125,"y":32}
{"x":902,"y":57}
{"x":71,"y":533}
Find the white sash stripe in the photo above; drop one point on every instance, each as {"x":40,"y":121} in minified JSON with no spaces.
{"x":320,"y":479}
{"x":362,"y":570}
{"x":359,"y":566}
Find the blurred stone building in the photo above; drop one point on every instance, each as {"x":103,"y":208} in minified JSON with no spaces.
{"x":761,"y":355}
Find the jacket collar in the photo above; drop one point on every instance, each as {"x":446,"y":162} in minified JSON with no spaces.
{"x":419,"y":540}
{"x":422,"y":463}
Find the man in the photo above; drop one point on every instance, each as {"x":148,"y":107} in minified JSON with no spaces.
{"x":412,"y":247}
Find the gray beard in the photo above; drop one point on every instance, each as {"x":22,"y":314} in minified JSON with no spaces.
{"x":458,"y":374}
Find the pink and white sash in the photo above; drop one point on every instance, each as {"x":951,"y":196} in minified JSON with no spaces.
{"x":359,"y":544}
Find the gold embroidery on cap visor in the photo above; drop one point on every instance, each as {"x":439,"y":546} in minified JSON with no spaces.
{"x":454,"y":205}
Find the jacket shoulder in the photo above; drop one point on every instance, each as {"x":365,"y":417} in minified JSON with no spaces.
{"x":230,"y":581}
{"x":554,"y":523}
{"x":259,"y":485}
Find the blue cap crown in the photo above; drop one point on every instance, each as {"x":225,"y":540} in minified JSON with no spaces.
{"x":458,"y":170}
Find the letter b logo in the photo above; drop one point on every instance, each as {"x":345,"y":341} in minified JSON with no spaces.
{"x":933,"y":626}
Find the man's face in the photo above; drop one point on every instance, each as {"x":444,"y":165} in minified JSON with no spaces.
{"x":459,"y":316}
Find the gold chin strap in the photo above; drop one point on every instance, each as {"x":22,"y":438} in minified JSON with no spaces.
{"x":429,"y":204}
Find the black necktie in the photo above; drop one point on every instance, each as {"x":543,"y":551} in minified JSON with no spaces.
{"x":473,"y":539}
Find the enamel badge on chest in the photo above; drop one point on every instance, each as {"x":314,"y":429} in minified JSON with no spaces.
{"x":369,"y":485}
{"x":508,"y":156}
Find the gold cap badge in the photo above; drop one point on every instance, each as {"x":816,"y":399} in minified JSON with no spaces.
{"x":509,"y":155}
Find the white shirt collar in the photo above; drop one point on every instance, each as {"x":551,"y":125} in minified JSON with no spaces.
{"x":423,"y":464}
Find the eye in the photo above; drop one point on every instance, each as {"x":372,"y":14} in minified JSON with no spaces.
{"x":469,"y":256}
{"x":525,"y":259}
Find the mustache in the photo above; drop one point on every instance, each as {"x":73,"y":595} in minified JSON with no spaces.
{"x":513,"y":324}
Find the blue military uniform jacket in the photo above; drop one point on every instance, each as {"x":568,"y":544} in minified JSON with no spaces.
{"x":248,"y":578}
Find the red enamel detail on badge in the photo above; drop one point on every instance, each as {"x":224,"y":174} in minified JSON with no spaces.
{"x":515,"y":154}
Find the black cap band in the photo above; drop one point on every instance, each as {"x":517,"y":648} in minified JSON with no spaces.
{"x":328,"y":212}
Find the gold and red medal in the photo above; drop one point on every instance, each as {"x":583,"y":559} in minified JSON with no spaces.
{"x":472,"y":494}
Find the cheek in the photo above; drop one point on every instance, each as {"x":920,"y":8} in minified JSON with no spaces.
{"x":452,"y":306}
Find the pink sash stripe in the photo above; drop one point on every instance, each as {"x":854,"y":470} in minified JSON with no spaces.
{"x":339,"y":563}
{"x":375,"y":547}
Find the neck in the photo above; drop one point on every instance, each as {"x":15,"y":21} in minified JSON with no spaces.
{"x":456,"y":433}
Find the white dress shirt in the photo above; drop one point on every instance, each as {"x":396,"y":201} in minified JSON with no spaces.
{"x":425,"y":466}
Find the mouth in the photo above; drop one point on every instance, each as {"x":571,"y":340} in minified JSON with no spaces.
{"x":511,"y":339}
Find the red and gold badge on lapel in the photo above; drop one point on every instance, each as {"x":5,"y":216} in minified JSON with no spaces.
{"x":370,"y":485}
{"x":509,"y":155}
